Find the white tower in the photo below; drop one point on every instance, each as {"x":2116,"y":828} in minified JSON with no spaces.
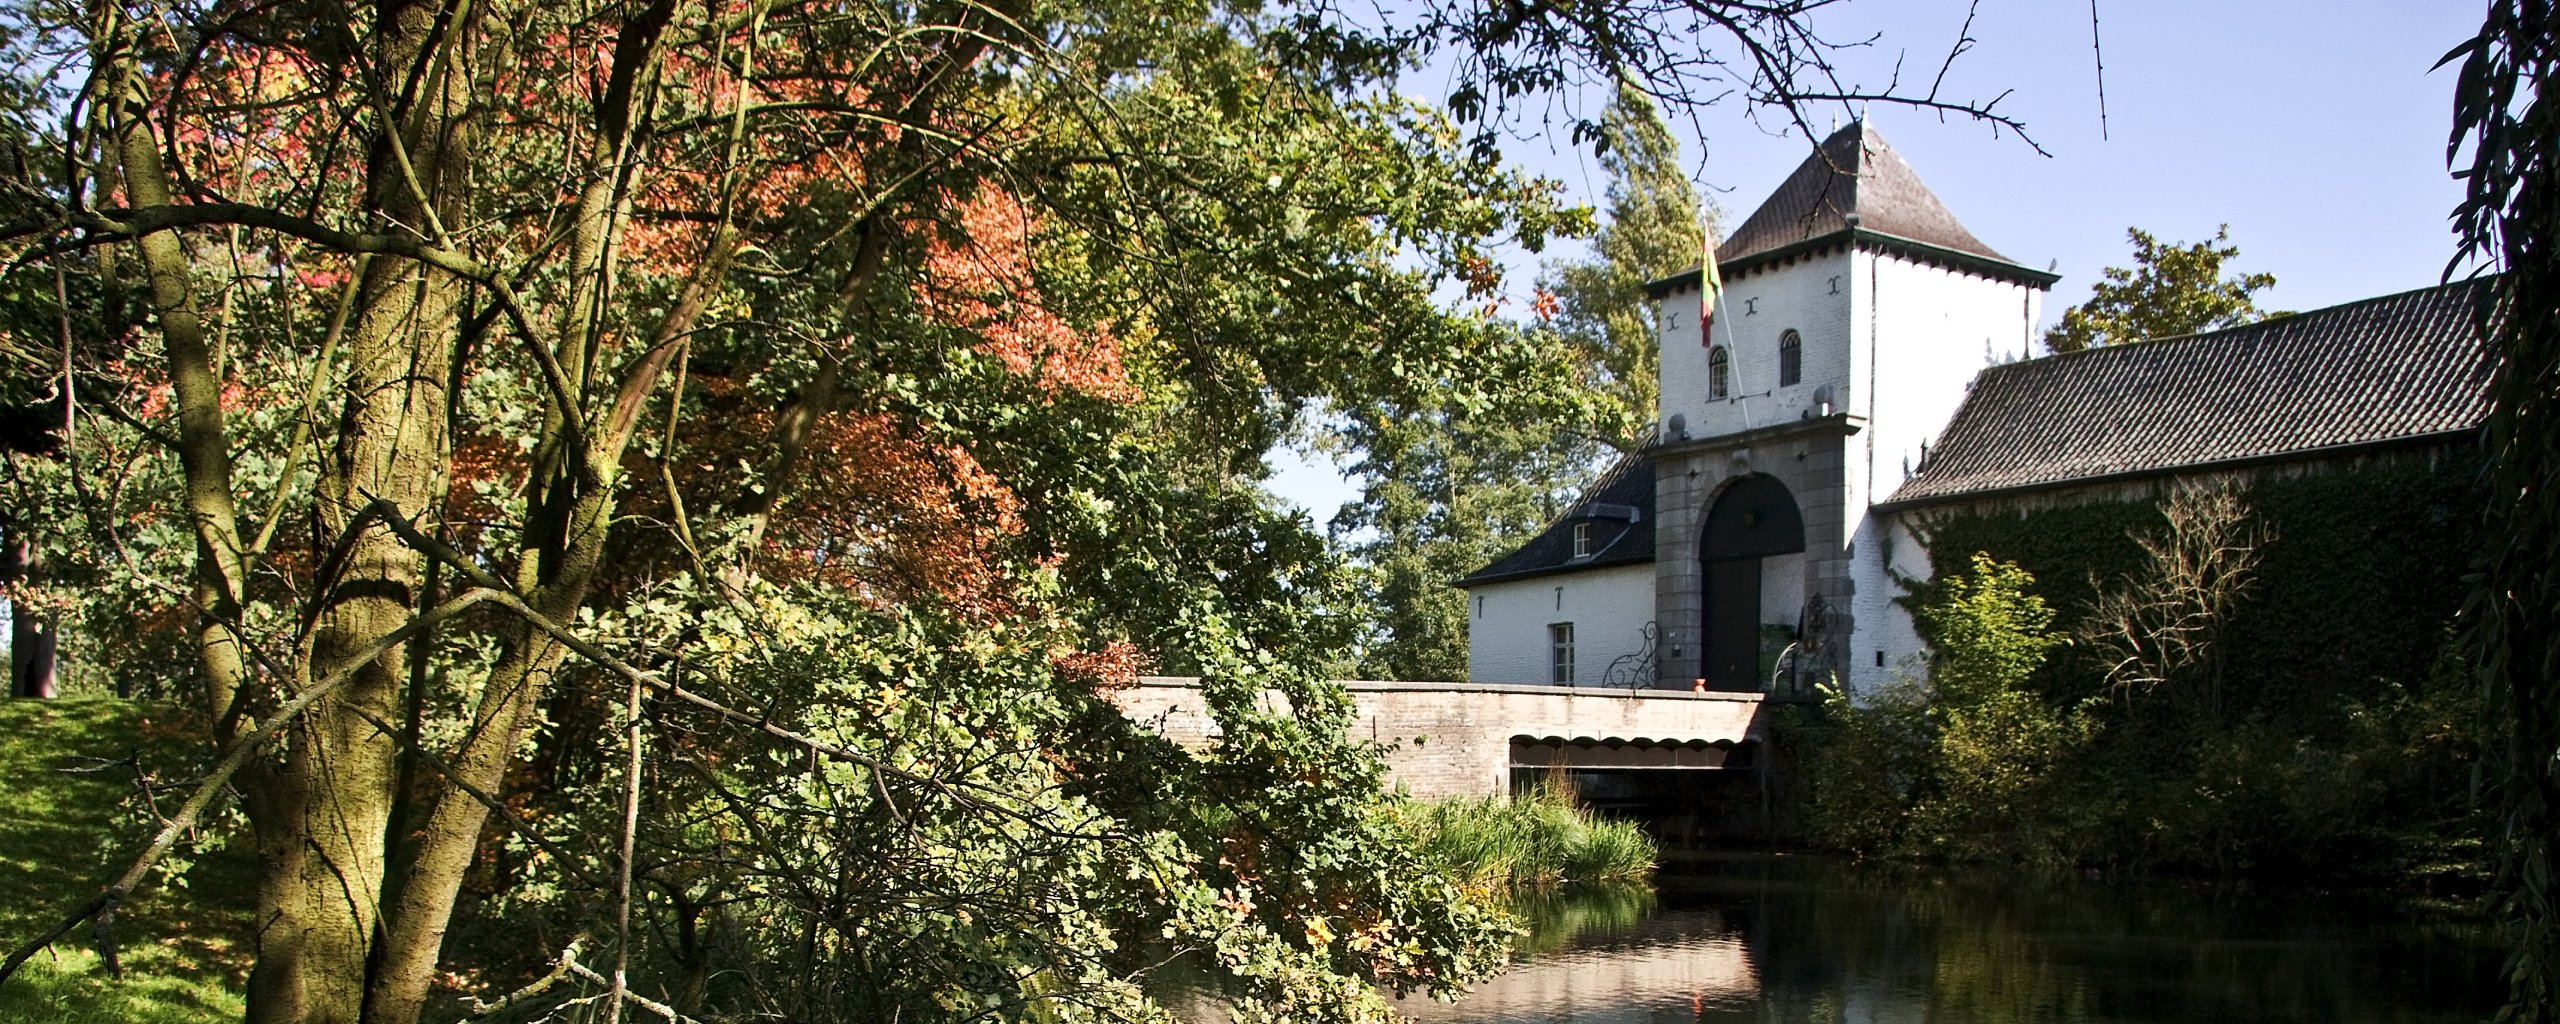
{"x":1855,"y":309}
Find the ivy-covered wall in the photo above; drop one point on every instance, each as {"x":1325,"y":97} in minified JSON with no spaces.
{"x":2359,"y":585}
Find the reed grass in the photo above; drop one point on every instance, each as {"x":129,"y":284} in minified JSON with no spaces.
{"x":1540,"y":840}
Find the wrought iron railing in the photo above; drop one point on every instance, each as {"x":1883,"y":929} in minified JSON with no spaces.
{"x":1807,"y":662}
{"x":1635,"y":670}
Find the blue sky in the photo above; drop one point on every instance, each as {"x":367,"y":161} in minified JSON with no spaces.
{"x":2315,"y":130}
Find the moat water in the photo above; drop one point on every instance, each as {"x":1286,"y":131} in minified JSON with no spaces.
{"x":1780,"y":940}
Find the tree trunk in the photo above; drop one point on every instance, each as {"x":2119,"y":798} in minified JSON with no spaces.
{"x":31,"y":630}
{"x":233,"y":699}
{"x":392,"y":445}
{"x":565,"y":530}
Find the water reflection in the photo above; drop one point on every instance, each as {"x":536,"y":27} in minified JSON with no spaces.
{"x":1783,"y":939}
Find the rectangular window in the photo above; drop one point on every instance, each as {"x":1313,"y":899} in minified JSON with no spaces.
{"x":1582,"y":540}
{"x":1560,"y":638}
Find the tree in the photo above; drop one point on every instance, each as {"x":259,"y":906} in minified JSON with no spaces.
{"x":2173,"y":289}
{"x":1971,"y":762}
{"x":676,"y":482}
{"x":1443,"y":492}
{"x":1451,"y":485}
{"x":33,"y":628}
{"x":482,"y":473}
{"x":2163,"y":628}
{"x":2509,"y":219}
{"x":1656,"y":227}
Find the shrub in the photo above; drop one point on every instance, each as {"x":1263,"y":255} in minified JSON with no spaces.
{"x":1970,"y":763}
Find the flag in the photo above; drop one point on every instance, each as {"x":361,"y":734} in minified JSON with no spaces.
{"x":1710,"y":287}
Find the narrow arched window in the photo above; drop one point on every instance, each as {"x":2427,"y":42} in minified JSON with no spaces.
{"x":1790,"y":358}
{"x":1719,"y":373}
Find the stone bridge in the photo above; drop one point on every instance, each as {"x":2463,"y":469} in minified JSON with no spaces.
{"x":1465,"y":738}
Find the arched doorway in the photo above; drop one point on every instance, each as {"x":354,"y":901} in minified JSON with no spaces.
{"x":1754,"y":519}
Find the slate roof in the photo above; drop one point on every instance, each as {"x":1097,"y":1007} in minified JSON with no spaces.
{"x":1629,"y":484}
{"x":1854,"y":172}
{"x":1856,"y":185}
{"x":2392,"y":369}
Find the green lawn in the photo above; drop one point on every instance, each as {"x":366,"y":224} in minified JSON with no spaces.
{"x":62,"y":834}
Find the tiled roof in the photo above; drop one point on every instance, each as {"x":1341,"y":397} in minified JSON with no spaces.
{"x":1854,"y":174}
{"x":2394,"y":368}
{"x":1615,"y":540}
{"x":1855,"y":185}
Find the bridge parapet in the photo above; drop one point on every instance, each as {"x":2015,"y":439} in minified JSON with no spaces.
{"x":1464,"y":738}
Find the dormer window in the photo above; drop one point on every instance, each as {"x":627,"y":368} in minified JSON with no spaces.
{"x":1582,"y":539}
{"x":1790,"y":358}
{"x":1719,"y":373}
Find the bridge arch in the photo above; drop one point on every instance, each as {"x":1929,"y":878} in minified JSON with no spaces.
{"x":1609,"y":753}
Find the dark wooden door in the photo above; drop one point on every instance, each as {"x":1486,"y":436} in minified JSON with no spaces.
{"x":1732,"y":656}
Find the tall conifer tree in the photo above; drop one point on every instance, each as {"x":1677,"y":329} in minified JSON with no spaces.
{"x":1656,"y":228}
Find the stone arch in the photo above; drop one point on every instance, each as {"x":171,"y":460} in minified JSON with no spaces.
{"x":1753,"y":518}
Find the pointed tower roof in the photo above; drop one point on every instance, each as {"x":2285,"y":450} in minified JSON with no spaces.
{"x":1855,"y":187}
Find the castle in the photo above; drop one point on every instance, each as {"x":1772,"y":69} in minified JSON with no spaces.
{"x":1865,"y":365}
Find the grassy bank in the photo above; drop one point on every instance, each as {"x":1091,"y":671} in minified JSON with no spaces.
{"x":1535,"y":841}
{"x":62,"y":832}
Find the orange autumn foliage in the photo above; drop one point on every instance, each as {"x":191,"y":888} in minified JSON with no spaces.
{"x":982,"y":283}
{"x":1114,"y":667}
{"x":891,"y":518}
{"x":874,"y":508}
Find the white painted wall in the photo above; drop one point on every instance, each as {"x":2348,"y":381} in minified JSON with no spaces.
{"x":1814,"y":298}
{"x":1921,"y":335}
{"x":1887,"y":642}
{"x":1507,"y":622}
{"x":1898,"y":342}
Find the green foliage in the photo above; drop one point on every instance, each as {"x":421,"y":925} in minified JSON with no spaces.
{"x":1988,"y":632}
{"x":1656,"y":227}
{"x":1247,"y":230}
{"x":1460,"y":476}
{"x":2365,"y":569}
{"x":2509,"y":220}
{"x":1442,"y":494}
{"x":1973,"y":763}
{"x":2002,"y":756}
{"x":2172,"y":289}
{"x":2008,"y":784}
{"x":1535,"y":841}
{"x":2343,"y":746}
{"x":1002,"y":840}
{"x":1868,"y":760}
